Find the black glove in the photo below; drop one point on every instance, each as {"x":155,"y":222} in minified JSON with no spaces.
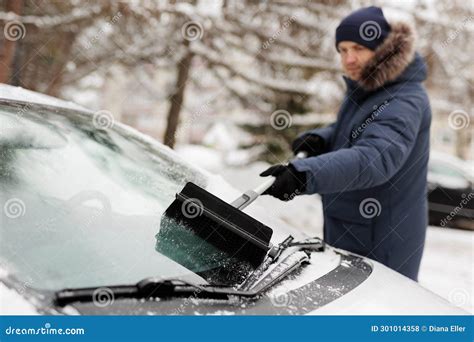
{"x":312,"y":144}
{"x":288,"y":183}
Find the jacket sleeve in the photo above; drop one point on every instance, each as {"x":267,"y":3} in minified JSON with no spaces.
{"x":380,"y":151}
{"x":325,"y":132}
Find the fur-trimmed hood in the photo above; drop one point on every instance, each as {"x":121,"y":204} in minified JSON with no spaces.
{"x":391,"y":58}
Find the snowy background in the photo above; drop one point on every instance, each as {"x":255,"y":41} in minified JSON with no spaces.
{"x":229,"y":83}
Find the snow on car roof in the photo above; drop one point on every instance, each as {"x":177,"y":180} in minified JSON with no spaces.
{"x":453,"y":161}
{"x":9,"y":92}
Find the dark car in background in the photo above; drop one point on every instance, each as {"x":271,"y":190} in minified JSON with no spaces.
{"x":450,"y":191}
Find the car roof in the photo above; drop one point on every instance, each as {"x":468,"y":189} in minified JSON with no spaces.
{"x":12,"y":93}
{"x":453,"y":161}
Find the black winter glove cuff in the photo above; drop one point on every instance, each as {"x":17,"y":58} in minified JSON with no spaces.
{"x":312,"y":144}
{"x":288,"y":183}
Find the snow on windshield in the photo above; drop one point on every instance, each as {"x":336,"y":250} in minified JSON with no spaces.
{"x":21,"y":133}
{"x":83,"y":205}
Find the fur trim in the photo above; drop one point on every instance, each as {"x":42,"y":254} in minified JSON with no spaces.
{"x":390,"y":58}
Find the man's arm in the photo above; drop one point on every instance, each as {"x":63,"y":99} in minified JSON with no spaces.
{"x":314,"y":142}
{"x":324,"y":132}
{"x":376,"y":156}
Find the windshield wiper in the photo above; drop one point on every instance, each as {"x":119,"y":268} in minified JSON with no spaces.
{"x":158,"y":288}
{"x":309,"y":245}
{"x":146,"y":288}
{"x":155,"y":288}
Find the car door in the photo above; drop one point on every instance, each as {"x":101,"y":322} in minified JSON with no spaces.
{"x":449,"y":196}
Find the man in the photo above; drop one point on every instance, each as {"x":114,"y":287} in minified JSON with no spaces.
{"x":370,"y":166}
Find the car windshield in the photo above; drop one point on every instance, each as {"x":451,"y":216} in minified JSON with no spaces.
{"x":82,"y":202}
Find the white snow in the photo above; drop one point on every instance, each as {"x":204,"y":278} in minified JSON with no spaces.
{"x":209,"y":7}
{"x":389,"y":293}
{"x":12,"y":303}
{"x":205,"y":157}
{"x":447,"y":265}
{"x":454,"y":164}
{"x":21,"y":94}
{"x":52,"y":20}
{"x":223,"y":136}
{"x":222,"y":313}
{"x":320,"y":264}
{"x":18,"y":132}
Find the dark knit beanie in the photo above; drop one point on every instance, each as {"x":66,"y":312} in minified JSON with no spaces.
{"x":366,"y":26}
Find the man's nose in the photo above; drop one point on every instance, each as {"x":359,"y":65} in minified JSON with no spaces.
{"x":350,"y":58}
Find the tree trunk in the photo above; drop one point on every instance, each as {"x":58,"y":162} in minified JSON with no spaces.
{"x":62,"y":57}
{"x":7,"y":51}
{"x":177,"y":99}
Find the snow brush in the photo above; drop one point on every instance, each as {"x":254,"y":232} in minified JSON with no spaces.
{"x":216,"y":223}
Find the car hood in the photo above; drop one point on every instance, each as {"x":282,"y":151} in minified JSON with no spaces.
{"x":387,"y":292}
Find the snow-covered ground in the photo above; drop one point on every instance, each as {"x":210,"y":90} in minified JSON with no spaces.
{"x":447,"y":265}
{"x":13,"y":304}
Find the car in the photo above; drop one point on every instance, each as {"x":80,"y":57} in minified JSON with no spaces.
{"x":450,"y":191}
{"x":82,"y":200}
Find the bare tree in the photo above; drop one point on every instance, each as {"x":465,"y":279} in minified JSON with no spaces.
{"x":264,"y":55}
{"x":8,"y":42}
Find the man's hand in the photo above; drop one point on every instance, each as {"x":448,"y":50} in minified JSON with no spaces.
{"x":312,"y":144}
{"x":288,"y":183}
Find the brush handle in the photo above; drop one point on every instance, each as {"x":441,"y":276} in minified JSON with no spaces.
{"x":264,"y":186}
{"x":251,"y":195}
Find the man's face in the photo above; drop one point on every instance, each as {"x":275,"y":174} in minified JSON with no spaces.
{"x":353,"y":58}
